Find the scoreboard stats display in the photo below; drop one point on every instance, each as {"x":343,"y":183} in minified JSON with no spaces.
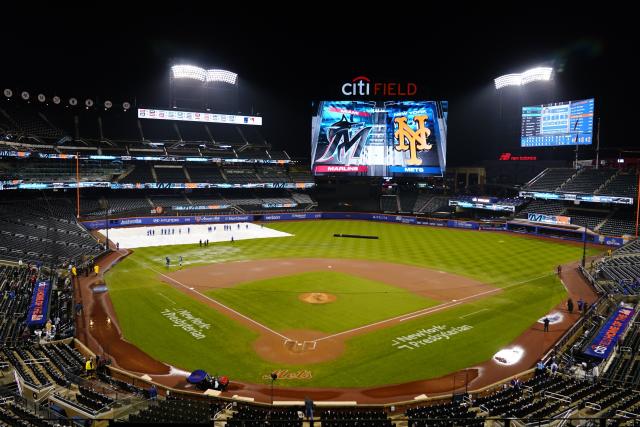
{"x":375,"y":138}
{"x":560,"y":123}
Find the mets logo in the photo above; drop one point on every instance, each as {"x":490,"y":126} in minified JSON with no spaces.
{"x":412,"y":140}
{"x":345,"y":142}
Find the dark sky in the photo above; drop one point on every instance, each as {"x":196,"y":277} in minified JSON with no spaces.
{"x":285,"y":63}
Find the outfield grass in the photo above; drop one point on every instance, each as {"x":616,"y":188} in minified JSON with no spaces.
{"x":274,"y":302}
{"x":522,"y":265}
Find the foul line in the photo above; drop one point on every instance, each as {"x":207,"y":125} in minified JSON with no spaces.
{"x":222,"y":305}
{"x":430,"y":310}
{"x":266,"y":328}
{"x":164,"y":296}
{"x":475,"y":312}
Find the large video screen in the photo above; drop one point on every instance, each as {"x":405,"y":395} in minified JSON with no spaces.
{"x":560,"y":123}
{"x":375,"y":138}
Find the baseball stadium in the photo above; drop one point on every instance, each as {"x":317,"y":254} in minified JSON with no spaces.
{"x":192,"y":238}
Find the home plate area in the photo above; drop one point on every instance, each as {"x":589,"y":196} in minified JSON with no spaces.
{"x":299,"y":346}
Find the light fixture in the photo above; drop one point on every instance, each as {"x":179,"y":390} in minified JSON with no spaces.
{"x":88,"y":103}
{"x":126,"y":105}
{"x":73,"y":102}
{"x":41,"y":97}
{"x":189,"y":72}
{"x":222,"y":76}
{"x":25,"y":95}
{"x":521,"y":79}
{"x":8,"y":93}
{"x":200,"y":74}
{"x":108,"y":104}
{"x":56,"y":100}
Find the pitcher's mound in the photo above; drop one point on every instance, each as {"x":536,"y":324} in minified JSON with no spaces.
{"x":317,"y":298}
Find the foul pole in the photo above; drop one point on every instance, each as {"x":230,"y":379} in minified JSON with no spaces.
{"x":638,"y":202}
{"x":77,"y":185}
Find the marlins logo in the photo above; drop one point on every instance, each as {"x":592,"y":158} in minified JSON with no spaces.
{"x":343,"y":146}
{"x":417,"y":140}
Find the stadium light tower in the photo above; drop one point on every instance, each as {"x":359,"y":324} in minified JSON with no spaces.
{"x":521,"y":79}
{"x":196,"y":87}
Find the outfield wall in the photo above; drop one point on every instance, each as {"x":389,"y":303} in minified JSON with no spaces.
{"x":538,"y":230}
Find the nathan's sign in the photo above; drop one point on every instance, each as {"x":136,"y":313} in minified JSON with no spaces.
{"x":363,"y":86}
{"x":37,"y":314}
{"x":285,"y":374}
{"x":605,"y":341}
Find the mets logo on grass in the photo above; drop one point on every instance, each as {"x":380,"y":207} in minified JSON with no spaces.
{"x":408,"y":139}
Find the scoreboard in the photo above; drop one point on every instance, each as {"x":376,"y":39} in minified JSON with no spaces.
{"x":557,"y":124}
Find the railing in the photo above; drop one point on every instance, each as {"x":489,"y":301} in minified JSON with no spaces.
{"x":557,"y":396}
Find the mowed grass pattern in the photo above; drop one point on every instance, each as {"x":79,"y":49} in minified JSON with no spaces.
{"x":275,"y":302}
{"x":523,"y":265}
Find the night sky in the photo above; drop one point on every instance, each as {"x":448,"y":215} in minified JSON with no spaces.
{"x":284,"y":64}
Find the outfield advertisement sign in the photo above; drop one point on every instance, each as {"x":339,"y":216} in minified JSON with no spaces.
{"x":549,"y":219}
{"x":39,"y":307}
{"x":462,"y":224}
{"x":577,"y":197}
{"x":287,"y":216}
{"x":167,"y":220}
{"x":605,"y":341}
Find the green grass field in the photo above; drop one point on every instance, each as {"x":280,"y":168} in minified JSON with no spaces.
{"x":523,"y":266}
{"x":359,"y":301}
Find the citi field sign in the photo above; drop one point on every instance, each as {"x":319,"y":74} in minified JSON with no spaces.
{"x":364,"y":86}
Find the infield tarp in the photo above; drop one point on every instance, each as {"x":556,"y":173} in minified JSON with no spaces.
{"x":605,"y":341}
{"x":39,"y":307}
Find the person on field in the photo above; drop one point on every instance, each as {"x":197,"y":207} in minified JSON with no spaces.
{"x":96,"y":269}
{"x":180,"y":261}
{"x":546,"y":323}
{"x":570,"y":305}
{"x":167,"y":261}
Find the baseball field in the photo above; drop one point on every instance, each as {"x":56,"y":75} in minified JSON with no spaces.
{"x":417,"y":303}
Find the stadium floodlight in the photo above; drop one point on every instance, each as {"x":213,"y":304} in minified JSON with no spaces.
{"x":223,"y":76}
{"x":521,"y":79}
{"x":200,"y":74}
{"x":189,"y":72}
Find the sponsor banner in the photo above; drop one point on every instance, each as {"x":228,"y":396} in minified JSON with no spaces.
{"x":196,"y":116}
{"x":167,"y":220}
{"x":480,"y":205}
{"x":605,"y":341}
{"x":20,"y":185}
{"x":287,"y":216}
{"x":433,"y":222}
{"x":39,"y":307}
{"x":279,"y":205}
{"x":339,"y":169}
{"x":423,"y":170}
{"x":11,"y":153}
{"x":549,"y":219}
{"x":199,"y":207}
{"x":613,"y":241}
{"x":462,"y":224}
{"x":173,"y":158}
{"x":577,"y":197}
